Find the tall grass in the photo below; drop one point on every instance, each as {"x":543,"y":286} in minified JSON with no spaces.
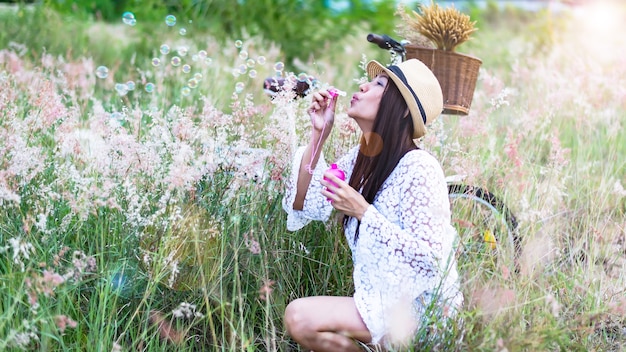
{"x":153,"y":221}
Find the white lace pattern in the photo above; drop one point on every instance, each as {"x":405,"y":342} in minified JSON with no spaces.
{"x":404,"y":254}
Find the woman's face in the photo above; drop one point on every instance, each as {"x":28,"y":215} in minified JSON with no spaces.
{"x":364,"y":104}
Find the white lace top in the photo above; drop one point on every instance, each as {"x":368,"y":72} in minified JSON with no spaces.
{"x":404,"y":254}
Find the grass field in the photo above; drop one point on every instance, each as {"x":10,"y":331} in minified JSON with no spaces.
{"x":138,"y":210}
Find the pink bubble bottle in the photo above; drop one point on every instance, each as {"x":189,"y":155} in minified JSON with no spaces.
{"x":337,"y":172}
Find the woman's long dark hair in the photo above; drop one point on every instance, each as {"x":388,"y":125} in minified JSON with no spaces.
{"x":390,"y":139}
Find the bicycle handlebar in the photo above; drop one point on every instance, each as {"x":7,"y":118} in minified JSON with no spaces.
{"x":385,"y":42}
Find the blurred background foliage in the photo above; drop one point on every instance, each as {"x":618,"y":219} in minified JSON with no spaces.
{"x":301,"y":28}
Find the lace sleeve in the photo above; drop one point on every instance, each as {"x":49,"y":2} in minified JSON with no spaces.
{"x":316,"y":206}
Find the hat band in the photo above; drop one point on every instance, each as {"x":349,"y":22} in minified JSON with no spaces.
{"x":398,"y":72}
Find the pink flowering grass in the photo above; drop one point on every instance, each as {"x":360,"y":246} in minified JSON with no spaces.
{"x":136,"y":220}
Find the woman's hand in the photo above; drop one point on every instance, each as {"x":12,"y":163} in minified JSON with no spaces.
{"x":343,"y":197}
{"x":322,"y":112}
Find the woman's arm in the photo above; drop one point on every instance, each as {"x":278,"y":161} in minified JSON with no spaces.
{"x":322,"y":113}
{"x":308,"y":163}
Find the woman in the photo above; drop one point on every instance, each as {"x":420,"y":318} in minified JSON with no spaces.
{"x":396,"y":214}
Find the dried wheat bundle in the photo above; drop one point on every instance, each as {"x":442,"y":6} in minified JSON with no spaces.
{"x":446,"y":28}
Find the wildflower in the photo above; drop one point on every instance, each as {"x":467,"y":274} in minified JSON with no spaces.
{"x":558,"y":154}
{"x":50,"y":281}
{"x":501,"y":346}
{"x":21,"y":251}
{"x":23,"y":338}
{"x":492,"y":300}
{"x":186,"y":310}
{"x":266,"y":290}
{"x":174,"y":270}
{"x":511,"y":149}
{"x":116,"y":347}
{"x":32,"y":296}
{"x":82,"y":264}
{"x":57,"y":257}
{"x":8,"y":196}
{"x":252,"y":244}
{"x":618,"y":189}
{"x":553,"y":304}
{"x":304,"y":249}
{"x":62,"y":322}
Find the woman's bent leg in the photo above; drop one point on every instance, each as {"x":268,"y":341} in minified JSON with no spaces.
{"x":326,"y":323}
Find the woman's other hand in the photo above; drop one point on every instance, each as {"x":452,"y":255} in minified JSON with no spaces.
{"x":343,"y":197}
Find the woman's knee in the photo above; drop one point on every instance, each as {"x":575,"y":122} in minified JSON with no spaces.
{"x":297,"y":319}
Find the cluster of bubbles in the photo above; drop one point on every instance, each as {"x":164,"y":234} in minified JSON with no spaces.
{"x":122,"y":89}
{"x":247,"y":66}
{"x":177,"y":60}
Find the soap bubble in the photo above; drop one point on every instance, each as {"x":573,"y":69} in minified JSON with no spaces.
{"x":186,"y":68}
{"x":130,"y":85}
{"x":170,"y":20}
{"x":252,"y":73}
{"x":185,"y":91}
{"x":242,"y":69}
{"x":102,"y":72}
{"x":239,"y":87}
{"x":260,"y":60}
{"x":182,"y":31}
{"x":175,"y":61}
{"x":156,"y":62}
{"x":238,"y":43}
{"x":165,"y":49}
{"x":149,"y":87}
{"x":197,"y":76}
{"x":202,"y":54}
{"x":243,"y":55}
{"x":182,"y":51}
{"x":118,"y":282}
{"x":121,"y":89}
{"x":303,"y":77}
{"x":208,"y":61}
{"x":129,"y":18}
{"x":279,"y":66}
{"x":118,"y":116}
{"x":192,"y":83}
{"x":250,"y":62}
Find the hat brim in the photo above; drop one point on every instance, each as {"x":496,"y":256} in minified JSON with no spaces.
{"x":374,"y":68}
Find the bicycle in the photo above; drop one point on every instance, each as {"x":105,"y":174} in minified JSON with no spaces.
{"x":487,"y":227}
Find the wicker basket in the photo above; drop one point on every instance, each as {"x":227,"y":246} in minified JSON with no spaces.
{"x":457,"y":75}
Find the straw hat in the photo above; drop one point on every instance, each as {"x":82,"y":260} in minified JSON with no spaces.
{"x":419,"y":87}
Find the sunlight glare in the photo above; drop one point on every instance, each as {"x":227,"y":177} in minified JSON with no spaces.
{"x":599,"y":26}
